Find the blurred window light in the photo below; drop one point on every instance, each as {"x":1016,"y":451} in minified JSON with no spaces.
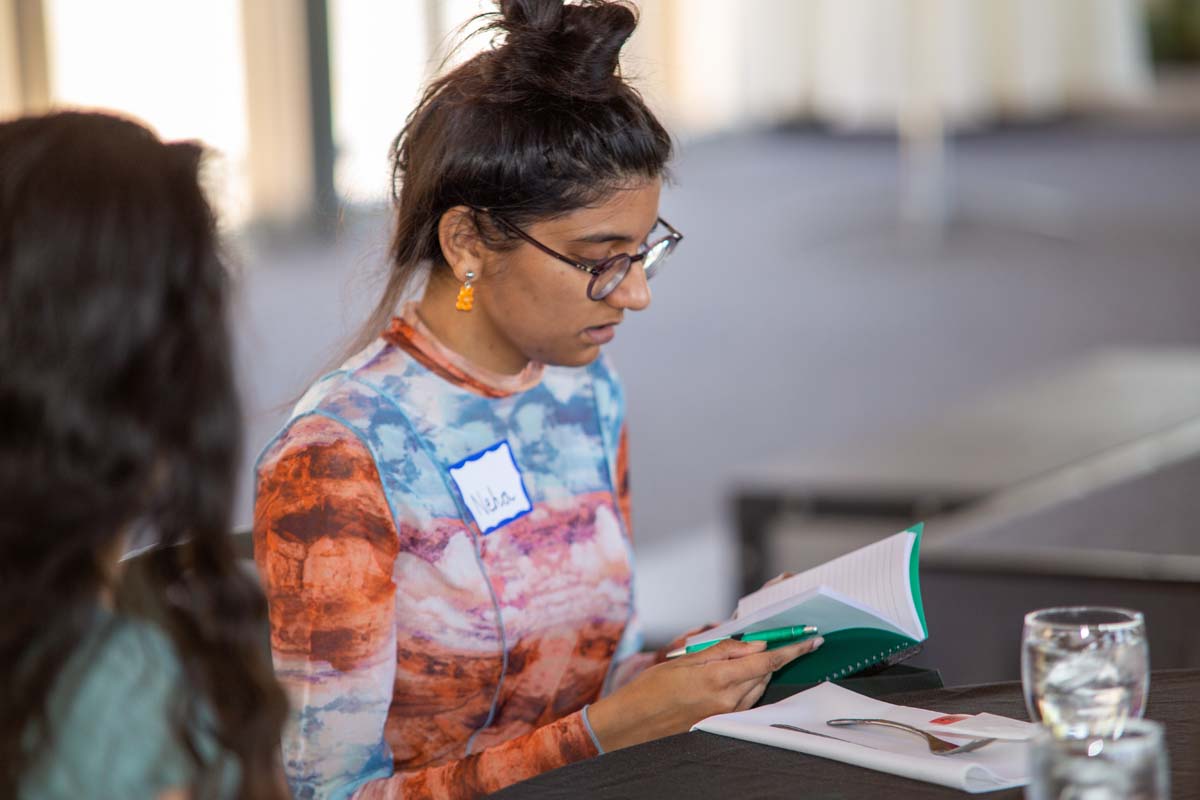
{"x":177,"y":65}
{"x":378,"y":56}
{"x":382,"y":52}
{"x":457,"y":22}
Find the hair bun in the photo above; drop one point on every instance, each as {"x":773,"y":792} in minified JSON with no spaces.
{"x":533,"y":16}
{"x":566,"y":50}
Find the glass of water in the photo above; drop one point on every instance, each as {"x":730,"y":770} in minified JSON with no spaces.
{"x":1085,"y":670}
{"x":1132,"y":766}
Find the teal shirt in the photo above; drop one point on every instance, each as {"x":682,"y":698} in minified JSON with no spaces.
{"x":111,"y":712}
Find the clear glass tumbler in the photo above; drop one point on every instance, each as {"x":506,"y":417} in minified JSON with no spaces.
{"x":1085,"y":670}
{"x":1130,"y":767}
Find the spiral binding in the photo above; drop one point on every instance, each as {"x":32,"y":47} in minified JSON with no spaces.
{"x":850,"y":669}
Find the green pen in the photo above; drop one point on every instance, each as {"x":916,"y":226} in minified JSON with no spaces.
{"x":770,"y":636}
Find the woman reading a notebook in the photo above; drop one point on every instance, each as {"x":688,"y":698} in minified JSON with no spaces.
{"x":443,"y":525}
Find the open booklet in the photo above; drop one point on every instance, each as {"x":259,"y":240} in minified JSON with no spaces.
{"x":866,"y":604}
{"x":999,"y":765}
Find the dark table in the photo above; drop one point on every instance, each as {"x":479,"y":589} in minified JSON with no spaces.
{"x":701,"y":765}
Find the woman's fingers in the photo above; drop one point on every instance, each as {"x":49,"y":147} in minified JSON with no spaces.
{"x":738,"y":672}
{"x":758,"y":668}
{"x":751,"y":696}
{"x":753,"y":665}
{"x":723,"y":651}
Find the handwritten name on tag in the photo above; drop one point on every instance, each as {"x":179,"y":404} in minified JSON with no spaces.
{"x":491,"y":485}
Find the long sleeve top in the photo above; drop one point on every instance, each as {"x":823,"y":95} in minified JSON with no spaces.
{"x":112,"y":729}
{"x":433,"y":644}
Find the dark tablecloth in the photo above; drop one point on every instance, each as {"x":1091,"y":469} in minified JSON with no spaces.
{"x":697,"y":766}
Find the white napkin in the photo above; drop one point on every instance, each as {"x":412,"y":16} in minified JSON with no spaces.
{"x":1000,"y":765}
{"x":978,"y":726}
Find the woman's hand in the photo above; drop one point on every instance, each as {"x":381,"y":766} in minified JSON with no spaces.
{"x":669,"y":698}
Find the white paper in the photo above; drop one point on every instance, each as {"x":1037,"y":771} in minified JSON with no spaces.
{"x":983,"y":726}
{"x":1000,"y":765}
{"x":491,"y":486}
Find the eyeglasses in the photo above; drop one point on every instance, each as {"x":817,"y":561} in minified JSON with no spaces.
{"x":608,"y":274}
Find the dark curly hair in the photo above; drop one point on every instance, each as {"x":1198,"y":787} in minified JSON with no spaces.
{"x":539,"y":125}
{"x":118,"y":409}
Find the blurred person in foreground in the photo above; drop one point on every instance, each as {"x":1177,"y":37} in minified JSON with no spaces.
{"x":443,"y":527}
{"x":119,"y":421}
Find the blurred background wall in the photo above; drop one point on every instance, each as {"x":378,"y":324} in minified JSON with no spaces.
{"x":938,"y":252}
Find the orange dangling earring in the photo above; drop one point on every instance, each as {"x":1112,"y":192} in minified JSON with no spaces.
{"x":466,"y":294}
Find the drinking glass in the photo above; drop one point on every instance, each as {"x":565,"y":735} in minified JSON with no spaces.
{"x":1085,"y":670}
{"x":1132,"y":766}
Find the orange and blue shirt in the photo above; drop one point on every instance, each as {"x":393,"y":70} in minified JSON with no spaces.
{"x":427,"y":654}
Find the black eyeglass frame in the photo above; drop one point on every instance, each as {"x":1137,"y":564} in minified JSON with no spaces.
{"x":673,"y":237}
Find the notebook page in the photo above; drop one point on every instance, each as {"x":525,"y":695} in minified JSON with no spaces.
{"x":876,"y":576}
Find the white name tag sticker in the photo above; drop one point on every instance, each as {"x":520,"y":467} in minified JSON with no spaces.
{"x":491,"y":485}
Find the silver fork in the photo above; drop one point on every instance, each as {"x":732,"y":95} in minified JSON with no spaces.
{"x":787,"y":727}
{"x":939,"y":747}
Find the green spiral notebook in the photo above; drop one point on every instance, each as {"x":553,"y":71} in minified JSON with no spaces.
{"x":866,"y":604}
